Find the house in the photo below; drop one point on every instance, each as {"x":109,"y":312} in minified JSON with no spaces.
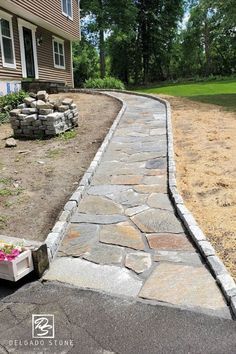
{"x":36,"y":42}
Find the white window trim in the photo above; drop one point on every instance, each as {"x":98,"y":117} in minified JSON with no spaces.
{"x":64,"y":13}
{"x":8,"y":18}
{"x":21,"y":24}
{"x":58,"y":40}
{"x":72,"y":64}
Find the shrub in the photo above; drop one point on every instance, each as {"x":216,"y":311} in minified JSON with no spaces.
{"x":9,"y":102}
{"x":106,"y":83}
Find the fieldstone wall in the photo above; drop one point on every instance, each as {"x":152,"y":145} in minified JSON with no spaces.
{"x":39,"y":116}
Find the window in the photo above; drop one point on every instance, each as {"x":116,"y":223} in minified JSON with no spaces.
{"x":67,"y":8}
{"x":58,"y":53}
{"x":6,"y":41}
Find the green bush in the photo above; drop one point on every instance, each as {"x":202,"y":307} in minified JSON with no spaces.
{"x":106,"y":83}
{"x":9,"y":102}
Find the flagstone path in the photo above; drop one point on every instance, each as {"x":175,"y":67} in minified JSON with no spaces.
{"x":125,"y":238}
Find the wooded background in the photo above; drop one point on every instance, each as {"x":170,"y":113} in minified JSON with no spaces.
{"x":143,"y":41}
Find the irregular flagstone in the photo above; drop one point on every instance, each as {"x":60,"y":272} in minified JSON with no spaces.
{"x":152,"y":188}
{"x":107,"y":189}
{"x":169,"y":242}
{"x":156,"y":163}
{"x":159,"y":146}
{"x":120,"y":168}
{"x":191,"y":258}
{"x":155,"y":172}
{"x":158,"y":131}
{"x":79,"y":239}
{"x":106,"y":167}
{"x":162,"y":151}
{"x":183,"y":285}
{"x":101,"y":179}
{"x":122,"y":234}
{"x":99,"y":205}
{"x":126,"y":179}
{"x":160,"y":201}
{"x":142,"y":156}
{"x":138,"y":148}
{"x":138,"y":261}
{"x":150,"y":180}
{"x":135,"y":210}
{"x":115,"y":156}
{"x":154,"y":220}
{"x":104,"y":254}
{"x":97,"y":219}
{"x":129,"y":198}
{"x":129,"y":138}
{"x":84,"y":274}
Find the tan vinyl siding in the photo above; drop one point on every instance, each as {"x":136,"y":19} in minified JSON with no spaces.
{"x":46,"y":69}
{"x":47,"y":72}
{"x":14,"y":74}
{"x":51,"y":11}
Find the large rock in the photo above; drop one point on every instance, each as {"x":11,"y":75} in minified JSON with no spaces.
{"x":42,"y":95}
{"x":10,"y":143}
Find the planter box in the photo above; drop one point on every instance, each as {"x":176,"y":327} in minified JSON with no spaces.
{"x":18,"y":268}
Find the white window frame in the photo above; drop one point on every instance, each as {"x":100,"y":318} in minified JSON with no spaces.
{"x":66,"y":14}
{"x":61,"y":41}
{"x":7,"y":17}
{"x":33,"y":28}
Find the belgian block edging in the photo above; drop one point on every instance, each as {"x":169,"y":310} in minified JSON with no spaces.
{"x":59,"y":230}
{"x":221,"y":275}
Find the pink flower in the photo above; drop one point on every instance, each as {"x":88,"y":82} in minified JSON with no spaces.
{"x":2,"y":256}
{"x":14,"y":253}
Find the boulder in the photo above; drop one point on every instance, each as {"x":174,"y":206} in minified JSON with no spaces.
{"x":10,"y":143}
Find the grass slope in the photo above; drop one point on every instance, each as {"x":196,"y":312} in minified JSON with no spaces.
{"x":222,"y":93}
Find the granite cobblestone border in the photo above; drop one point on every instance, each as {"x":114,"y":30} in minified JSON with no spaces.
{"x":59,"y":230}
{"x":217,"y":267}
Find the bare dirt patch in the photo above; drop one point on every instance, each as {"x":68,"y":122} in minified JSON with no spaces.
{"x":205,"y":153}
{"x":38,"y":176}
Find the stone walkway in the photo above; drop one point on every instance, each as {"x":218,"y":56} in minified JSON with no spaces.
{"x":125,"y":238}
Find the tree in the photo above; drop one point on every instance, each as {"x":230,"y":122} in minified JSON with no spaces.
{"x":208,"y":42}
{"x":85,"y":60}
{"x":101,"y":16}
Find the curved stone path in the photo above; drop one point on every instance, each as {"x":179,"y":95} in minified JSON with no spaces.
{"x":125,"y":238}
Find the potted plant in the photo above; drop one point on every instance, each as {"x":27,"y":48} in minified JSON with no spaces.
{"x":15,"y":261}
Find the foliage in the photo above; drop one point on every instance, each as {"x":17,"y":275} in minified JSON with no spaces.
{"x":101,"y":17}
{"x":86,"y":61}
{"x":145,"y":41}
{"x":207,"y":45}
{"x":9,"y":102}
{"x":106,"y":83}
{"x":70,"y":134}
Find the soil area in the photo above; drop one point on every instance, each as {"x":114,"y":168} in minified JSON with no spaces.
{"x":38,"y":176}
{"x":205,"y":152}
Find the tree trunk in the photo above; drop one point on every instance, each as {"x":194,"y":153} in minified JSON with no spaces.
{"x":207,"y":48}
{"x":102,"y":54}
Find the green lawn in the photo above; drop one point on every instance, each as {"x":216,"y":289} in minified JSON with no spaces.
{"x":222,"y":93}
